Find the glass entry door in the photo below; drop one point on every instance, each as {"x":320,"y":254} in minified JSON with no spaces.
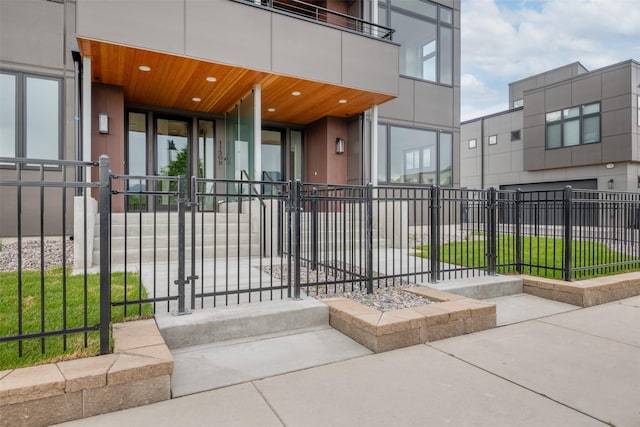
{"x":271,"y":155}
{"x":172,"y":153}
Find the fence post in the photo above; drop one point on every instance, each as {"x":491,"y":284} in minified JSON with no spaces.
{"x":105,"y":252}
{"x":369,"y":239}
{"x":314,"y":228}
{"x":518,"y":224}
{"x":568,"y":231}
{"x":193,"y":203}
{"x":492,"y":227}
{"x":297,"y":207}
{"x":435,"y":234}
{"x":181,"y":280}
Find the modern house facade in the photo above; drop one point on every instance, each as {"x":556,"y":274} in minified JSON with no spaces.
{"x":567,"y":126}
{"x":331,"y":91}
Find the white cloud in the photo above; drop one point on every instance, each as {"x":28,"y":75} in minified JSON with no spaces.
{"x":507,"y":40}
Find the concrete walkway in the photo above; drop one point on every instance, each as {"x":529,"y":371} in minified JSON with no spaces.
{"x":577,"y":368}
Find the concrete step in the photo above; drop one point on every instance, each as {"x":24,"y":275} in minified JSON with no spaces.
{"x":172,"y":217}
{"x":242,"y":321}
{"x":210,"y":252}
{"x":482,"y":287}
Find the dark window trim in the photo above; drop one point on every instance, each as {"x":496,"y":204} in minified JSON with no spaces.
{"x":387,"y":126}
{"x":439,"y":23}
{"x":580,"y":118}
{"x":21,"y":115}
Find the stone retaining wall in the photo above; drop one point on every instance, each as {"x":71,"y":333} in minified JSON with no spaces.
{"x":584,"y":293}
{"x":448,"y":316}
{"x":137,"y":373}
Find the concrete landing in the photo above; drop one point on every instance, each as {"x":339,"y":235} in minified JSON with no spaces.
{"x":481,"y":287}
{"x":236,"y":322}
{"x":212,"y":366}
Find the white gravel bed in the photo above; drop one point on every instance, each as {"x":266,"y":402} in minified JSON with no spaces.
{"x":31,"y":255}
{"x":387,"y":294}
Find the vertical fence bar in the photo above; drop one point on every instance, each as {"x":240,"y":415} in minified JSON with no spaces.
{"x":369,"y":239}
{"x":297,"y":207}
{"x":105,"y":252}
{"x":518,"y":230}
{"x":193,"y":203}
{"x":314,"y":228}
{"x":492,"y":230}
{"x":181,"y":281}
{"x":568,"y":235}
{"x":434,"y":234}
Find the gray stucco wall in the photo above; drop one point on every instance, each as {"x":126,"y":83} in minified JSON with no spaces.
{"x":213,"y":30}
{"x":527,"y":161}
{"x":34,"y":39}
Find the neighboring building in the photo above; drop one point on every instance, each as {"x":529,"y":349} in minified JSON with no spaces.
{"x":567,"y":126}
{"x":262,"y":86}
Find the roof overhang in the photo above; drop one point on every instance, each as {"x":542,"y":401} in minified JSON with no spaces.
{"x":174,"y":82}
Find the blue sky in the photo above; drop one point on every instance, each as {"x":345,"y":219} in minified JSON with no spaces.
{"x":507,"y":40}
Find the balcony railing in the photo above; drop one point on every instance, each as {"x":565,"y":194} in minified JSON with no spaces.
{"x":304,"y":10}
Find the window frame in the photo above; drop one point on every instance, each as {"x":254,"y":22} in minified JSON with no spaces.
{"x":440,"y":22}
{"x":493,"y":140}
{"x":473,"y":143}
{"x":516,"y":135}
{"x":20,"y":113}
{"x":419,"y":151}
{"x":564,"y":119}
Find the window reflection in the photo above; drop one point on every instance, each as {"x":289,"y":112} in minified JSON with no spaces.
{"x":42,"y":118}
{"x":7,"y":115}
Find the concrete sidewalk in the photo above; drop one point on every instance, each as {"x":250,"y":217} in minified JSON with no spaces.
{"x":578,"y":368}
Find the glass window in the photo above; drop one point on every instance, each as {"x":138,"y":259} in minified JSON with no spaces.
{"x":571,"y":133}
{"x":515,"y":135}
{"x":473,"y":143}
{"x":571,"y":112}
{"x":518,"y":103}
{"x":417,"y":40}
{"x":446,"y":55}
{"x":493,"y":139}
{"x":575,"y":126}
{"x":554,"y":116}
{"x":445,"y":168}
{"x":415,"y":156}
{"x":591,"y":130}
{"x":30,"y":116}
{"x":591,"y":108}
{"x":7,"y":115}
{"x":425,"y":36}
{"x":420,"y":7}
{"x":446,"y":15}
{"x":554,"y":136}
{"x":42,"y":122}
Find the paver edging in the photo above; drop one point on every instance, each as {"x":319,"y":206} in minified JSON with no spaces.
{"x":447,"y":316}
{"x":137,"y":373}
{"x":584,"y":293}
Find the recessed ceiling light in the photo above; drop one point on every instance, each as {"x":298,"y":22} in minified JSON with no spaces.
{"x":211,"y":79}
{"x":196,"y":99}
{"x":144,"y":68}
{"x":271,"y":110}
{"x":342,"y":101}
{"x":295,"y":93}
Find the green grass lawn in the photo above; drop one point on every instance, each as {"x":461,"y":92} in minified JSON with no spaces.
{"x":58,"y":295}
{"x":546,"y":254}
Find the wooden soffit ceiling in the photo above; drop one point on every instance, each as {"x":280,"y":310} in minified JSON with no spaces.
{"x":174,"y":81}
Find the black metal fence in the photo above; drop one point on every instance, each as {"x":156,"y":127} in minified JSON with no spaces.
{"x":48,"y":221}
{"x":179,"y":245}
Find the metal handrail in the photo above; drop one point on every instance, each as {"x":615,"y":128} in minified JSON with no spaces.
{"x":304,"y":10}
{"x":244,"y":173}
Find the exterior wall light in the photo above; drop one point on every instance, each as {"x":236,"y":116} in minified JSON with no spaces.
{"x":339,"y":145}
{"x":103,"y":123}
